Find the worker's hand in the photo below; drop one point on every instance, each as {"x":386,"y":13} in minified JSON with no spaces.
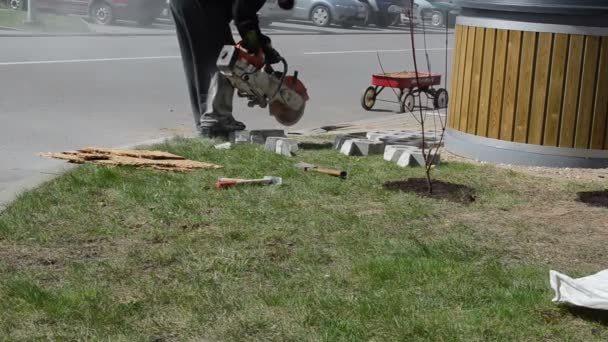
{"x":254,"y":41}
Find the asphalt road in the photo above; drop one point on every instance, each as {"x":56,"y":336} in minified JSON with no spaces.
{"x":61,"y":93}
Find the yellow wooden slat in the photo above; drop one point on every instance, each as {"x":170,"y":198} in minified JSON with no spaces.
{"x":462,"y":50}
{"x":556,"y":89}
{"x":486,"y":82}
{"x":500,"y":58}
{"x":599,"y":131}
{"x":587,"y":92}
{"x":539,"y":93}
{"x":573,"y":78}
{"x":476,"y":80}
{"x":452,"y":110}
{"x":510,"y":92}
{"x":466,"y":86}
{"x":524,"y":93}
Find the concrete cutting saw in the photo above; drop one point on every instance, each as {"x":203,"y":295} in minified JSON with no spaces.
{"x":285,"y":96}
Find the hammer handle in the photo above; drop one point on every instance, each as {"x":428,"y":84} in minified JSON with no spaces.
{"x":335,"y":173}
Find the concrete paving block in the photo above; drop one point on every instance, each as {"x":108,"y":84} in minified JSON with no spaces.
{"x":341,"y":138}
{"x":393,"y":152}
{"x":240,"y":137}
{"x":406,"y":160}
{"x":259,"y":136}
{"x":361,"y":147}
{"x":412,"y":157}
{"x":255,"y":136}
{"x":283,"y":146}
{"x":394,"y":135}
{"x":419,"y":158}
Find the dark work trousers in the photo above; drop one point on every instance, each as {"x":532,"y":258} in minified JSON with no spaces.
{"x":203,"y":28}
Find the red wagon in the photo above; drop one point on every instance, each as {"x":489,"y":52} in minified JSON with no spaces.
{"x":409,"y":88}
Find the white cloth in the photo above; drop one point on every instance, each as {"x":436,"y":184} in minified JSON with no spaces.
{"x":590,"y":292}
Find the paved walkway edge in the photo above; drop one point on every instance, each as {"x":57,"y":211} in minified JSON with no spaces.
{"x":13,"y":191}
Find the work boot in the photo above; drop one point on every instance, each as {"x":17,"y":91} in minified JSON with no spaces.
{"x":211,"y":128}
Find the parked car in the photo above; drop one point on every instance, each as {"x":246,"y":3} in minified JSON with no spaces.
{"x":326,"y":12}
{"x":443,"y":12}
{"x":383,"y":13}
{"x":15,"y":4}
{"x":271,"y":12}
{"x":105,"y":12}
{"x":420,"y":7}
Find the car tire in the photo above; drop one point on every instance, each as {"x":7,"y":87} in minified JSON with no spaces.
{"x":15,"y":4}
{"x":102,"y":13}
{"x":320,"y":16}
{"x":369,"y":17}
{"x":437,"y":19}
{"x":384,"y":20}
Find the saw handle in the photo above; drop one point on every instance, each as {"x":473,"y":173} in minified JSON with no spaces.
{"x":335,"y":173}
{"x":256,"y":59}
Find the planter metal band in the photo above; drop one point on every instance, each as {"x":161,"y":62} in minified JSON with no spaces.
{"x":499,"y":151}
{"x":506,"y":24}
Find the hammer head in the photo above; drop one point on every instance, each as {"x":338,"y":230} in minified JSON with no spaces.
{"x":273,"y":180}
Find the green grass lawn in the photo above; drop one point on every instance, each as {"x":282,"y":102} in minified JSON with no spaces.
{"x":135,"y":255}
{"x":48,"y":22}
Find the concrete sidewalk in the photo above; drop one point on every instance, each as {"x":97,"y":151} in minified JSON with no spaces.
{"x":396,"y":122}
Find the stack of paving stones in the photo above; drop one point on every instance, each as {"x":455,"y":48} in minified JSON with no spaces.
{"x":401,"y":147}
{"x":274,"y":140}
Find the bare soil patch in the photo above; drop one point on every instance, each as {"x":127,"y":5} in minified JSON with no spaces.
{"x":441,"y":190}
{"x":594,"y":198}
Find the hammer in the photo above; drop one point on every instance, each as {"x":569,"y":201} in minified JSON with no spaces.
{"x":314,"y":168}
{"x":267,"y":180}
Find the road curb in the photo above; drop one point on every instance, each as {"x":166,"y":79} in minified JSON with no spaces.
{"x":13,"y":191}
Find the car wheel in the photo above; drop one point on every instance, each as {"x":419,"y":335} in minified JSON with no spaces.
{"x":441,"y":99}
{"x":320,"y":16}
{"x":102,"y":13}
{"x":368,"y":98}
{"x":437,"y":19}
{"x":384,"y":19}
{"x":15,"y":4}
{"x":369,"y":16}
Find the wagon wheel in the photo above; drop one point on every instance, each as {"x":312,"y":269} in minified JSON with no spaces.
{"x":368,"y":99}
{"x":441,"y":98}
{"x":408,"y":102}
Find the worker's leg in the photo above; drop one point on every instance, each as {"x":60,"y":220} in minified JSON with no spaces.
{"x":185,"y":46}
{"x":206,"y":27}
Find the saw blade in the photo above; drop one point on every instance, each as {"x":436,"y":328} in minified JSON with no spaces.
{"x":285,"y":115}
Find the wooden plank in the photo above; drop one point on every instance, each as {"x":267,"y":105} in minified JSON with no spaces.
{"x":458,"y":95}
{"x":587,"y":93}
{"x":453,"y":110}
{"x":500,"y":59}
{"x":524,"y":92}
{"x":510,"y":93}
{"x":476,"y":80}
{"x":599,"y":131}
{"x":486,"y":82}
{"x":556,"y":89}
{"x":573,"y":79}
{"x":541,"y":81}
{"x":466,"y":86}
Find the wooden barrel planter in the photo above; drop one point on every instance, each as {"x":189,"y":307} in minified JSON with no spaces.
{"x":530,"y":83}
